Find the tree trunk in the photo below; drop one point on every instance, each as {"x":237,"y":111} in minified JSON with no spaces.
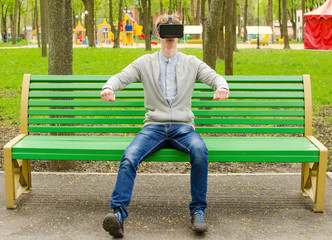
{"x":43,"y":28}
{"x":292,"y":16}
{"x":14,"y":30}
{"x":147,"y":23}
{"x":19,"y":18}
{"x":270,"y":16}
{"x":115,"y":31}
{"x":203,"y":19}
{"x":303,"y":20}
{"x":221,"y":39}
{"x":60,"y":61}
{"x":25,"y":22}
{"x":280,"y":20}
{"x":238,"y":17}
{"x":170,"y":7}
{"x":245,"y":20}
{"x":234,"y":27}
{"x":210,"y":34}
{"x":284,"y":23}
{"x":228,"y":39}
{"x":36,"y":19}
{"x":4,"y":11}
{"x":192,"y":11}
{"x":198,"y":8}
{"x":161,"y":7}
{"x":179,"y":7}
{"x":89,"y":21}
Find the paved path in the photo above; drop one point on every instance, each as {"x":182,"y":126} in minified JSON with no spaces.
{"x":72,"y":206}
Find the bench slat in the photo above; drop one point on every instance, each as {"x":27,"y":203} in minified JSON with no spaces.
{"x":138,"y":86}
{"x":88,"y":112}
{"x":99,"y":103}
{"x":259,"y":121}
{"x":123,"y":94}
{"x":89,"y":129}
{"x":104,"y":78}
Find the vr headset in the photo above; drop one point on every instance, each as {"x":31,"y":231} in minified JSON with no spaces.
{"x":170,"y":30}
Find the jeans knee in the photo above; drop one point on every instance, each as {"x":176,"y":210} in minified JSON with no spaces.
{"x":199,"y":152}
{"x":198,"y":146}
{"x":129,"y":161}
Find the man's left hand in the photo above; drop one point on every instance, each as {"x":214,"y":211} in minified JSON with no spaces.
{"x":221,"y":94}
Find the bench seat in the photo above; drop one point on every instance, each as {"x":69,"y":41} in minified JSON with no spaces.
{"x":221,"y":149}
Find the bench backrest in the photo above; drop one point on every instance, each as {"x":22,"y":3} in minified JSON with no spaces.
{"x":257,"y":105}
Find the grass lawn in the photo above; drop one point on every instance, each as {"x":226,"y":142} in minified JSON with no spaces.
{"x":18,"y":44}
{"x":107,"y":61}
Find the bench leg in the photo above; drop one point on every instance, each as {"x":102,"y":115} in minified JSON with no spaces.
{"x":9,"y":178}
{"x":313,"y":182}
{"x":314,"y":176}
{"x":17,"y":177}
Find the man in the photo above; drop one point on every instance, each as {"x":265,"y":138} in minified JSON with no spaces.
{"x":168,"y":78}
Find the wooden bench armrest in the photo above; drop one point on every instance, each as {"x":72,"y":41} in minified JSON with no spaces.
{"x":12,"y":142}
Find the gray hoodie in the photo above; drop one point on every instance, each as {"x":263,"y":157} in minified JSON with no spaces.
{"x":146,"y":69}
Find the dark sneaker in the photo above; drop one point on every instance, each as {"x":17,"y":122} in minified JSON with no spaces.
{"x":198,"y":223}
{"x":113,"y":223}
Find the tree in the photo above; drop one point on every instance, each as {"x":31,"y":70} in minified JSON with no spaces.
{"x":221,"y":39}
{"x":14,"y":30}
{"x":270,"y":16}
{"x":36,"y":22}
{"x":43,"y":27}
{"x":234,"y":27}
{"x":210,"y":34}
{"x":60,"y":61}
{"x":116,"y":31}
{"x":229,"y":38}
{"x":245,"y":20}
{"x":303,"y":9}
{"x":279,"y":19}
{"x":89,"y":21}
{"x":146,"y":4}
{"x":5,"y":6}
{"x":284,"y":23}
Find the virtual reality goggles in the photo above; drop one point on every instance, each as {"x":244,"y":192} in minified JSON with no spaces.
{"x":170,"y":30}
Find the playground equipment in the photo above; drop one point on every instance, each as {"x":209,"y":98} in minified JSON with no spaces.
{"x":104,"y":33}
{"x":130,"y":29}
{"x":79,"y":34}
{"x":127,"y":29}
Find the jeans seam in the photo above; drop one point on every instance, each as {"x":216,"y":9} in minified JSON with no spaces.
{"x":146,"y":154}
{"x":181,"y":145}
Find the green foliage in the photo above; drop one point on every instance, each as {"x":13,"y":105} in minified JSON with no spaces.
{"x":108,"y":61}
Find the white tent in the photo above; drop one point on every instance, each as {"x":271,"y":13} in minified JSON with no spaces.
{"x":196,"y":29}
{"x":192,"y":29}
{"x":261,"y":30}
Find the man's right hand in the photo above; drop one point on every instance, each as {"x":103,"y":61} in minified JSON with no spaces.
{"x":107,"y":95}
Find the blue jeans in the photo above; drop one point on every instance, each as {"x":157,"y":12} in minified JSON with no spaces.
{"x":148,"y":141}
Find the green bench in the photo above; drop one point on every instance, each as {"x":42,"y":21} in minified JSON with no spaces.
{"x":266,"y":119}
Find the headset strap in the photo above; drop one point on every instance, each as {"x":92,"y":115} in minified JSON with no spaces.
{"x":170,"y":19}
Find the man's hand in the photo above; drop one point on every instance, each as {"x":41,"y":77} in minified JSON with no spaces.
{"x":107,"y":95}
{"x":221,"y":94}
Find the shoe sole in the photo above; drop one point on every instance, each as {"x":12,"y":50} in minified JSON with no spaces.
{"x":199,"y":230}
{"x":111,"y":224}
